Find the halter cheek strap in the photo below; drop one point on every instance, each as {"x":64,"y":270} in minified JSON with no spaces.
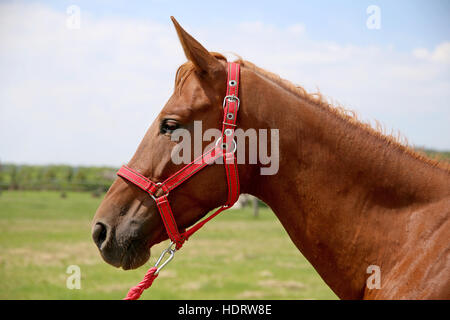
{"x":225,"y":147}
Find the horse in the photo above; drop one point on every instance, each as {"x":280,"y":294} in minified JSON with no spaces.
{"x":349,"y":196}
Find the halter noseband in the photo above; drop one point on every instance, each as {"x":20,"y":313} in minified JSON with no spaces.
{"x":225,"y":147}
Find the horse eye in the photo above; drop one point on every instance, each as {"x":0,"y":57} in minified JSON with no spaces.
{"x":168,"y":126}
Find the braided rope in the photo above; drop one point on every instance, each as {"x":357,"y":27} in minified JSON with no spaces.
{"x":136,"y":291}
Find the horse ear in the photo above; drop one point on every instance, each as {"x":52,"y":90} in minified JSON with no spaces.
{"x":196,"y":53}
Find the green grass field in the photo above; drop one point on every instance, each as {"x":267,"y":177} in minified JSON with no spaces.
{"x":235,"y":256}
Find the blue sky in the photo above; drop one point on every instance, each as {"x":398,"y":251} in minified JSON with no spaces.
{"x":87,"y":96}
{"x":405,"y":23}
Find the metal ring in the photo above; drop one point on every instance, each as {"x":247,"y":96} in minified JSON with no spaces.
{"x":228,"y":132}
{"x":226,"y":145}
{"x":158,"y":185}
{"x":232,"y":83}
{"x":230,"y":116}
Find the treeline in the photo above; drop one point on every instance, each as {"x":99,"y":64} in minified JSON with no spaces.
{"x":439,"y":155}
{"x":56,"y":177}
{"x":98,"y":179}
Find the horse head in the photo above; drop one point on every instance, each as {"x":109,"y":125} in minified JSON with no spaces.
{"x":127,"y":223}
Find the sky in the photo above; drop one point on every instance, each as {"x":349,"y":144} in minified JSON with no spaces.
{"x":81,"y":81}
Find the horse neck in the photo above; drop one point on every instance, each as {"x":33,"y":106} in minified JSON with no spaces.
{"x":343,"y":193}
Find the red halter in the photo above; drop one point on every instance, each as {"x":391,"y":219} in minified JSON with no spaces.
{"x":225,"y":147}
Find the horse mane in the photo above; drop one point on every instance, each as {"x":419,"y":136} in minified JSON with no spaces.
{"x":395,"y":139}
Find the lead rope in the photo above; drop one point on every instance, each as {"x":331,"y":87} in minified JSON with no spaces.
{"x":151,"y":274}
{"x":135,"y":292}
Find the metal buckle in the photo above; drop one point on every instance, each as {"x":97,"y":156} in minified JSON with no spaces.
{"x":171,"y":252}
{"x":231,"y":98}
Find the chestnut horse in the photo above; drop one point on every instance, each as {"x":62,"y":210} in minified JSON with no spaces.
{"x":348,"y":196}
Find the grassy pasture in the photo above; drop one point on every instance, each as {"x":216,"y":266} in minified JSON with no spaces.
{"x":234,"y":257}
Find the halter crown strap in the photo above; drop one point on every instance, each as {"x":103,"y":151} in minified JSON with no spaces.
{"x":231,"y":108}
{"x":225,"y":148}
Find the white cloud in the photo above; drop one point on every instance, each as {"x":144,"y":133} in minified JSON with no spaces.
{"x":441,"y":54}
{"x":87,"y":96}
{"x":80,"y":96}
{"x":296,"y":29}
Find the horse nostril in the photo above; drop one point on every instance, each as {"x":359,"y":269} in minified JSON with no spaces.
{"x":99,"y":234}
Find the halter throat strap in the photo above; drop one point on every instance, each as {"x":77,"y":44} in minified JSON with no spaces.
{"x":225,"y":147}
